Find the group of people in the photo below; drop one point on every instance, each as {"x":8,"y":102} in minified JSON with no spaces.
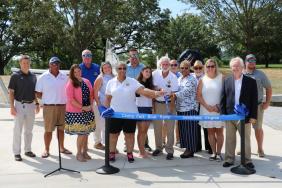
{"x":71,"y":105}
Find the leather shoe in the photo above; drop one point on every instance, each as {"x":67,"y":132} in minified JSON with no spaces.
{"x":18,"y":158}
{"x":30,"y":154}
{"x":250,"y":165}
{"x":156,"y":152}
{"x":186,"y":155}
{"x":169,"y":156}
{"x":227,"y":164}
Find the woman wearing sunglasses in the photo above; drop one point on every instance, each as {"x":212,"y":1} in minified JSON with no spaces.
{"x":208,"y":95}
{"x":186,"y":105}
{"x":121,"y":97}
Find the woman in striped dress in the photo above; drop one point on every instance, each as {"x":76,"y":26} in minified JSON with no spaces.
{"x":186,"y":105}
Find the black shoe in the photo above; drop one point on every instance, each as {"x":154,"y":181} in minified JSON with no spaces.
{"x":227,"y":164}
{"x":250,"y":165}
{"x":209,"y":151}
{"x":30,"y":154}
{"x":169,"y":156}
{"x":156,"y":152}
{"x":130,"y":157}
{"x":147,"y":147}
{"x":185,"y":155}
{"x":212,"y":157}
{"x":18,"y":157}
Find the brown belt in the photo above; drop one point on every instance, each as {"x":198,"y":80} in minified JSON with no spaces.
{"x":54,"y":104}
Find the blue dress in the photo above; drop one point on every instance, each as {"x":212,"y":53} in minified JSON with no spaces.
{"x":81,"y":123}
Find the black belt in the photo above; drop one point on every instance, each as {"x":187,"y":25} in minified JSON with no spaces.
{"x":162,"y":102}
{"x":25,"y":102}
{"x":54,"y":104}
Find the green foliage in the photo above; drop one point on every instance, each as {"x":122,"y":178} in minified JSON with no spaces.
{"x":187,"y":31}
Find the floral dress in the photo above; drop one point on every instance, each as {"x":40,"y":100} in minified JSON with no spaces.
{"x":80,"y":123}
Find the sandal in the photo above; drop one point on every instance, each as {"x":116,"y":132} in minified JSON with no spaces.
{"x":130,"y":157}
{"x":86,"y":156}
{"x":65,"y":151}
{"x":45,"y":154}
{"x":80,"y":158}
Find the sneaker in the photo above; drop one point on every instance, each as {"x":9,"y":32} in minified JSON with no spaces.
{"x":130,"y":157}
{"x":156,"y":152}
{"x":99,"y":146}
{"x":112,"y":157}
{"x":227,"y":164}
{"x":30,"y":154}
{"x":147,"y":147}
{"x":18,"y":157}
{"x":212,"y":157}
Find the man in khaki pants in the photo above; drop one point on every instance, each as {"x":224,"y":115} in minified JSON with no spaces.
{"x":164,"y":80}
{"x":238,"y":89}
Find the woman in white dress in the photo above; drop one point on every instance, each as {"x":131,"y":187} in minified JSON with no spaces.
{"x":208,"y":95}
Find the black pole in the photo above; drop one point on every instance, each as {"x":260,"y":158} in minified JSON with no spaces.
{"x":60,"y":160}
{"x":107,"y":168}
{"x":242,"y":169}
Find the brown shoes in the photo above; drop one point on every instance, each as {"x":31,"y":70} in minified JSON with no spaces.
{"x":99,"y":146}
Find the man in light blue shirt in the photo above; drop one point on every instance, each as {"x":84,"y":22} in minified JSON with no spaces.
{"x":134,"y":67}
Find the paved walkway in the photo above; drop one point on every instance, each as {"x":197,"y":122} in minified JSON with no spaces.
{"x":152,"y":172}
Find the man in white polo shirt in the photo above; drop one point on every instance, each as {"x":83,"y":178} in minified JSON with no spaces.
{"x":164,"y":80}
{"x":50,"y":87}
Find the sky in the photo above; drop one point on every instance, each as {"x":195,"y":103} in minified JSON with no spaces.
{"x":176,"y":7}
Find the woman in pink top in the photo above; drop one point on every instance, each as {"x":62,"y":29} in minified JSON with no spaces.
{"x":79,"y":116}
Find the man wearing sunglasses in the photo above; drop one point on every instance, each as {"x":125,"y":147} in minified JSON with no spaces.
{"x":134,"y":66}
{"x":262,"y":83}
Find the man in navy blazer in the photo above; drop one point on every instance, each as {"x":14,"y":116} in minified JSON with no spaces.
{"x":238,"y":89}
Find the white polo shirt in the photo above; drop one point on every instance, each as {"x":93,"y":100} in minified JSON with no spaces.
{"x":123,"y":94}
{"x":52,"y":88}
{"x":168,"y":84}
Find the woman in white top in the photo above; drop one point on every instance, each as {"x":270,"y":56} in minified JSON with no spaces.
{"x":208,"y":95}
{"x":144,"y":105}
{"x":121,"y":97}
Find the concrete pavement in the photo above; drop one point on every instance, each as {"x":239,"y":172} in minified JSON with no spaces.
{"x":153,"y":172}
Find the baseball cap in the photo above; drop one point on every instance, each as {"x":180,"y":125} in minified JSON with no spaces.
{"x":54,"y":60}
{"x":250,"y":58}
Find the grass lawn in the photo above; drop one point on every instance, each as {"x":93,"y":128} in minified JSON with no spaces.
{"x":274,"y":74}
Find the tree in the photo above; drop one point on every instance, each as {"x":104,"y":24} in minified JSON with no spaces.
{"x":245,"y":26}
{"x":187,"y":31}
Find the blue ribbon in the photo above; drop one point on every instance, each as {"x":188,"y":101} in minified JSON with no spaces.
{"x":241,"y":109}
{"x":110,"y":113}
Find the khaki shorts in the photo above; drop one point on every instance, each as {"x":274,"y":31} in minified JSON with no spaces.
{"x":54,"y":115}
{"x":258,"y":124}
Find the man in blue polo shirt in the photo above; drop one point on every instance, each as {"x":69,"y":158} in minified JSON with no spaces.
{"x":89,"y":70}
{"x":134,"y":67}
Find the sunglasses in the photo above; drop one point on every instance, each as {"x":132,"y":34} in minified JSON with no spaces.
{"x":211,"y":67}
{"x":198,"y":68}
{"x":186,"y":68}
{"x":87,"y":55}
{"x":173,"y":65}
{"x":134,"y":56}
{"x":122,"y":68}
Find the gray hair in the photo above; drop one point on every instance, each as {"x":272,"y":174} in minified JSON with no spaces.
{"x":120,"y":63}
{"x":235,"y":59}
{"x":162,"y":59}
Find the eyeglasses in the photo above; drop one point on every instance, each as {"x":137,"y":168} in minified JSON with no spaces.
{"x":173,"y":65}
{"x":87,"y":55}
{"x":198,"y":68}
{"x":210,"y":66}
{"x":186,"y":68}
{"x":122,"y":68}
